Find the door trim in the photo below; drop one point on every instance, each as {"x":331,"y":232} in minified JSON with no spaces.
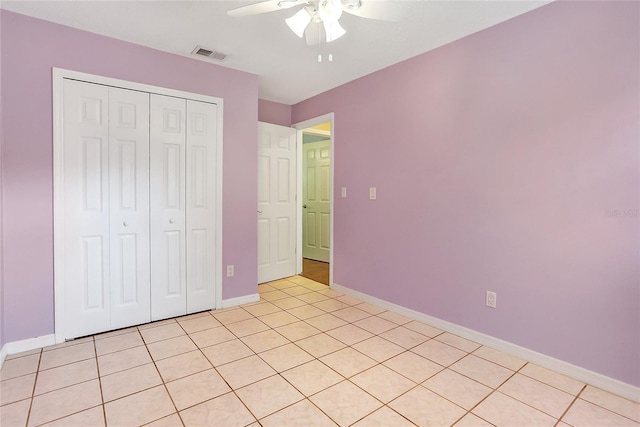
{"x":58,"y":76}
{"x":300,"y":126}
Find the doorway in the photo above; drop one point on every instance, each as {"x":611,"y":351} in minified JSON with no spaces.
{"x":316,"y":202}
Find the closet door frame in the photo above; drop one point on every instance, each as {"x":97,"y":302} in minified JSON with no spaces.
{"x":58,"y":76}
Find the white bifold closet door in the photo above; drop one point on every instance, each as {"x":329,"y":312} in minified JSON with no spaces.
{"x":183,"y":143}
{"x":106,"y":207}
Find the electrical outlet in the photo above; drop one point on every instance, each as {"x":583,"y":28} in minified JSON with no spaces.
{"x":492,"y":299}
{"x":230,"y":270}
{"x":372,"y":193}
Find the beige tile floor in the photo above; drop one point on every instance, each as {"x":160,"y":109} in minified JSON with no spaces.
{"x":304,"y":355}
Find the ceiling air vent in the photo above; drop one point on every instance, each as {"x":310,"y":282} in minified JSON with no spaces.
{"x":218,"y":56}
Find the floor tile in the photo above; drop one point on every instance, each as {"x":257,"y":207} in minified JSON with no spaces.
{"x":345,"y":403}
{"x":538,"y":395}
{"x":306,"y":312}
{"x":438,"y":352}
{"x":348,"y":362}
{"x":384,"y":417}
{"x":612,"y":402}
{"x":586,"y":414}
{"x":245,"y":371}
{"x":262,"y":309}
{"x":182,"y":365}
{"x":115,"y":333}
{"x":500,"y":358}
{"x":351,"y":314}
{"x":15,"y":414}
{"x":554,"y":379}
{"x":16,"y":389}
{"x":405,"y":338}
{"x":89,"y":417}
{"x":226,"y":410}
{"x":65,"y":355}
{"x":396,"y":318}
{"x":66,"y":375}
{"x":326,"y":322}
{"x":312,"y":377}
{"x":163,"y":332}
{"x":156,"y":324}
{"x":378,"y":348}
{"x":226,"y":352}
{"x":171,"y":347}
{"x":232,"y":316}
{"x":319,"y":345}
{"x":197,"y":388}
{"x":213,"y":336}
{"x":131,"y":381}
{"x":349,"y":334}
{"x":375,"y":324}
{"x":414,"y":367}
{"x":126,"y":359}
{"x":265,"y":287}
{"x":457,"y":342}
{"x":274,"y":296}
{"x":315,"y":286}
{"x":289,"y":282}
{"x":502,"y":410}
{"x":118,"y":342}
{"x":66,"y":401}
{"x":297,"y":290}
{"x":199,"y":323}
{"x":488,"y":373}
{"x":330,"y":305}
{"x":263,"y":341}
{"x":268,"y":396}
{"x":139,"y":408}
{"x":423,"y":328}
{"x":172,"y":420}
{"x":370,"y":308}
{"x":280,"y":318}
{"x":331,"y":293}
{"x":471,"y":420}
{"x":432,"y":410}
{"x":312,"y":297}
{"x":303,"y":413}
{"x":289,"y":303}
{"x":69,"y":343}
{"x":349,"y":300}
{"x":457,"y":388}
{"x":23,"y":353}
{"x":285,"y":357}
{"x":297,"y":331}
{"x":247,"y":327}
{"x":383,"y":383}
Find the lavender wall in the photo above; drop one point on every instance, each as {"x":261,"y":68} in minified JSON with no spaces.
{"x":30,"y":48}
{"x":274,"y":112}
{"x":497,"y":160}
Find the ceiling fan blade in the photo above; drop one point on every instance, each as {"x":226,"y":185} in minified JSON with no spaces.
{"x":263,"y":7}
{"x":314,"y":33}
{"x":383,"y":10}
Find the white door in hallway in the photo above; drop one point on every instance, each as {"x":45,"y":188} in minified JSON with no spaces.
{"x":276,"y":202}
{"x":316,"y":189}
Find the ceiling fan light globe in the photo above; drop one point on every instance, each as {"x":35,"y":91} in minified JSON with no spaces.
{"x":330,"y":10}
{"x":298,"y":22}
{"x":333,"y":30}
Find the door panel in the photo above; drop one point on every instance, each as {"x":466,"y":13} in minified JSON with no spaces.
{"x":86,"y":213}
{"x":129,"y":207}
{"x":201,"y":205}
{"x":276,"y":202}
{"x":167,"y":206}
{"x":316,"y":200}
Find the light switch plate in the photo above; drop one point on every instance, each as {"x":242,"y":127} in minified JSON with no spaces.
{"x":344,"y":192}
{"x":372,"y":193}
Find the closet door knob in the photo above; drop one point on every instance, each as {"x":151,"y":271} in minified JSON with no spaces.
{"x":170,"y":221}
{"x":125,"y":223}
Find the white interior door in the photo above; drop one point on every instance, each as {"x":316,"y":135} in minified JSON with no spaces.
{"x":167,"y":205}
{"x":129,"y":207}
{"x":316,"y":184}
{"x":276,"y":202}
{"x":86,"y":208}
{"x":201,"y":205}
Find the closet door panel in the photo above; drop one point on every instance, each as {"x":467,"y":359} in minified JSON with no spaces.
{"x":202,"y":130}
{"x":167,"y":207}
{"x":86,"y":208}
{"x":129,"y":207}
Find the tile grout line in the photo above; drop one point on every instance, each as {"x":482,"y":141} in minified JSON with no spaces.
{"x":570,"y":405}
{"x":33,"y":391}
{"x":104,"y":410}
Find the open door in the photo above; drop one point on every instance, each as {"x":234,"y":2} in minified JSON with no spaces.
{"x":276,"y":202}
{"x":316,"y":191}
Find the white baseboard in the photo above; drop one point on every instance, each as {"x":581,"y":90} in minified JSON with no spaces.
{"x":584,"y":375}
{"x":246,"y":299}
{"x":25,"y":345}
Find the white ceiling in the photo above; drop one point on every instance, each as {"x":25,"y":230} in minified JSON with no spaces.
{"x":288,"y":69}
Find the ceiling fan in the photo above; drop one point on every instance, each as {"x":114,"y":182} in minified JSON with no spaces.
{"x":316,"y":17}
